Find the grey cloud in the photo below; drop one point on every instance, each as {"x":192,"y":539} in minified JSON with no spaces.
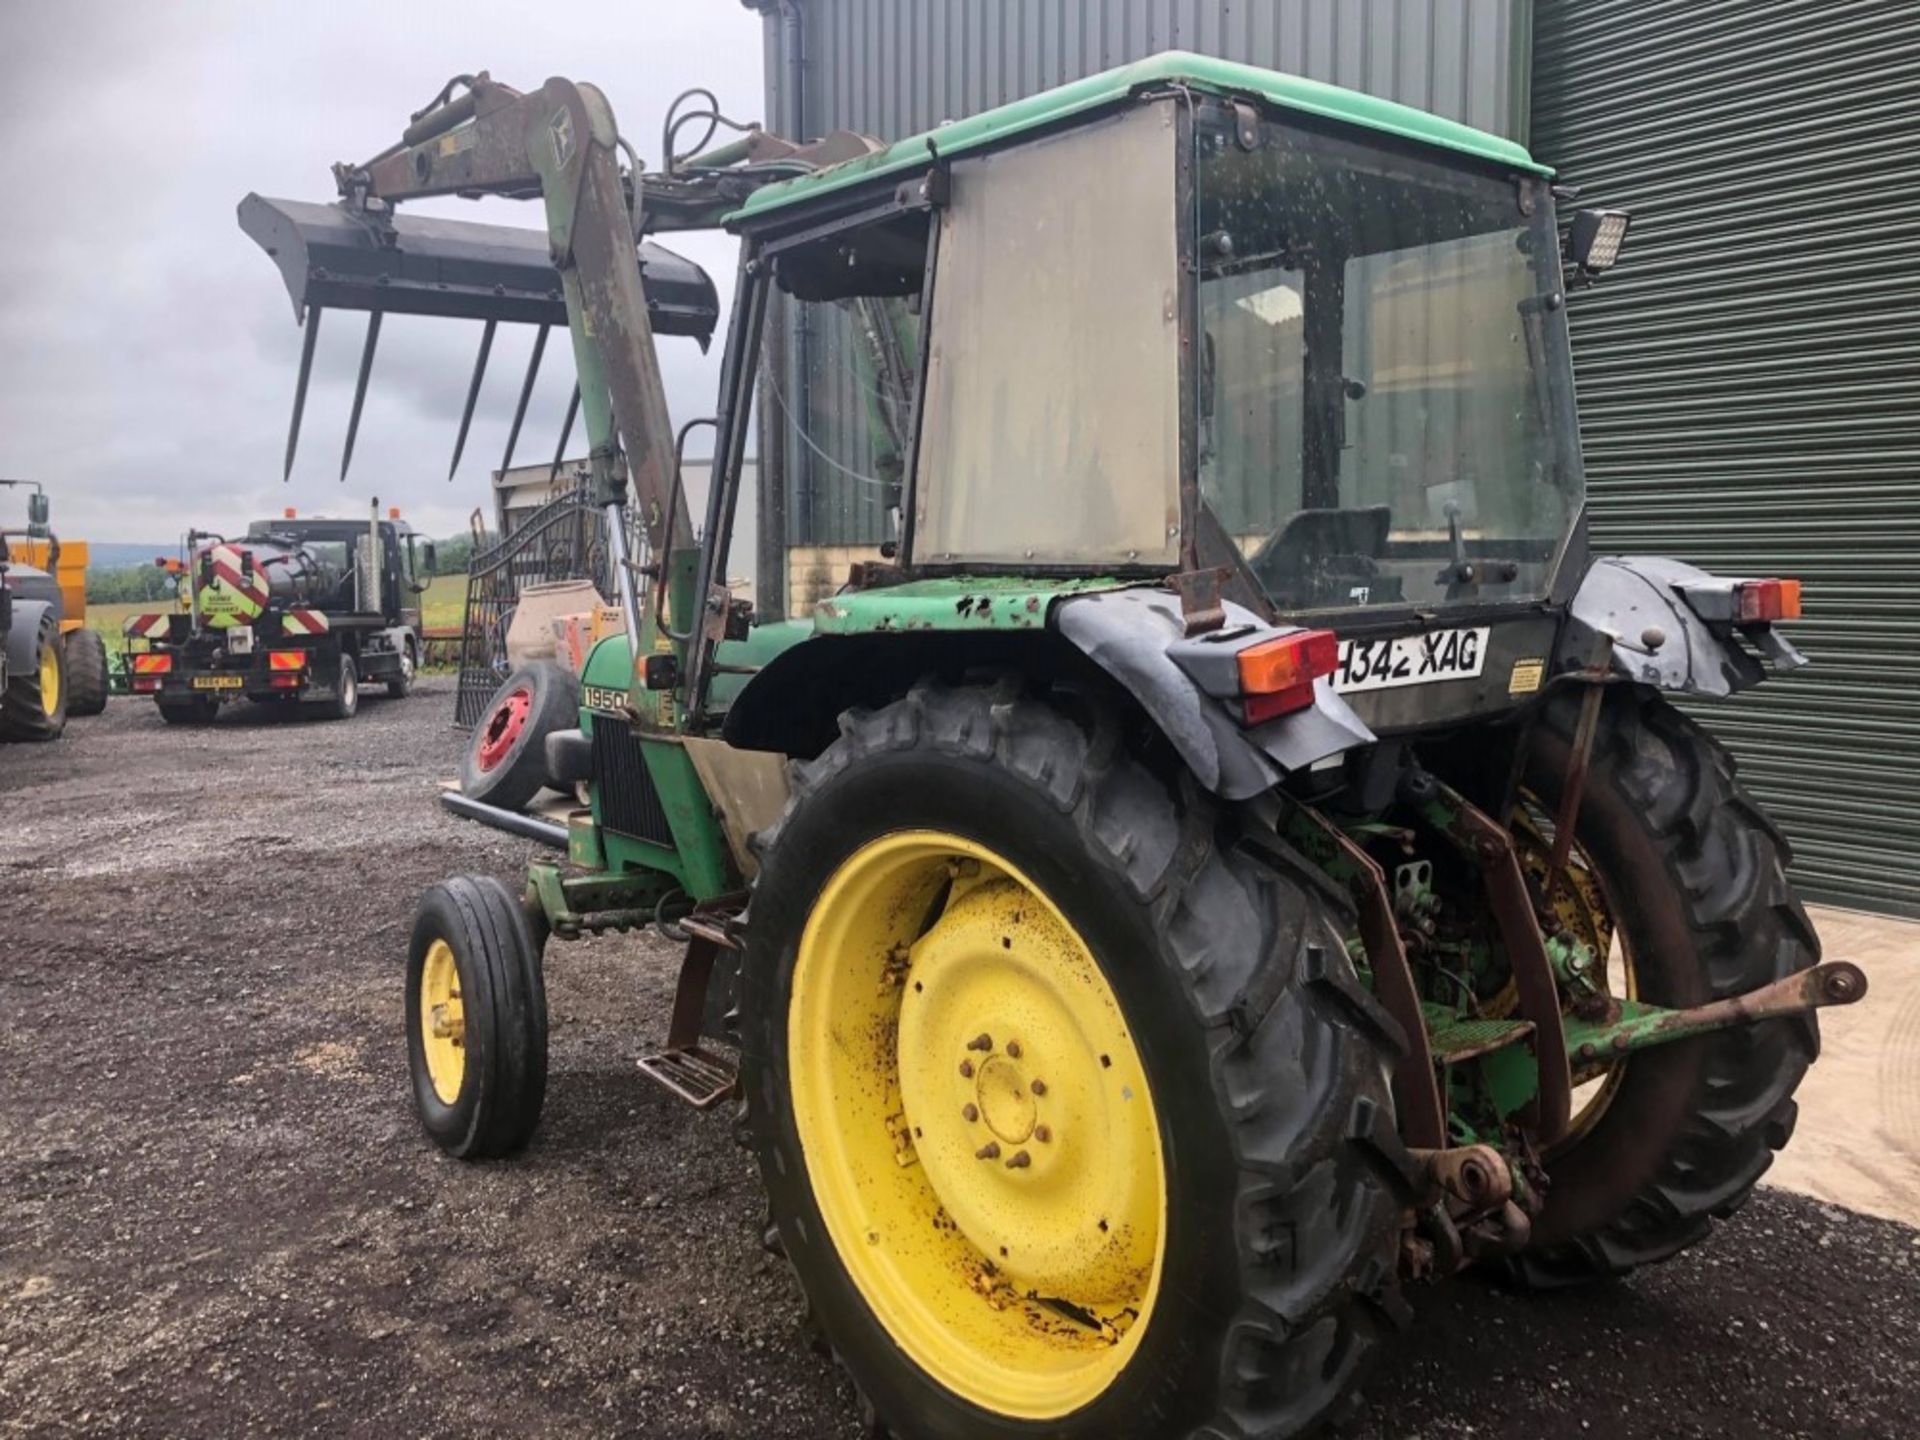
{"x":147,"y":350}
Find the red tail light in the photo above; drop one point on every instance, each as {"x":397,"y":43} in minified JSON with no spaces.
{"x":1276,"y":678}
{"x":1769,"y":600}
{"x":143,"y":686}
{"x":284,"y":682}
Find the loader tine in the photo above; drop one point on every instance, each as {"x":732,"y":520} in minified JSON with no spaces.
{"x":300,"y":388}
{"x":566,"y":431}
{"x":473,"y":394}
{"x":526,"y":394}
{"x":360,"y":388}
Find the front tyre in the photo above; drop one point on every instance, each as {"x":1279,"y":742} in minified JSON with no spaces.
{"x":1064,"y":1104}
{"x":1676,"y":858}
{"x":476,"y":1019}
{"x":33,"y":706}
{"x":400,"y":684}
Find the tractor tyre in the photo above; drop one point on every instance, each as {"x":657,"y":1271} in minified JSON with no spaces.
{"x":506,"y":759}
{"x":87,"y":682}
{"x":344,"y":703}
{"x":1693,"y":878}
{"x":400,"y":685}
{"x":199,"y":710}
{"x":34,"y":704}
{"x":1073,"y":1119}
{"x":476,"y":1019}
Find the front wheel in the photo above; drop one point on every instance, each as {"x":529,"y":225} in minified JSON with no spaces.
{"x":1679,"y":881}
{"x":400,"y":684}
{"x":476,"y":1019}
{"x":1063,"y":1105}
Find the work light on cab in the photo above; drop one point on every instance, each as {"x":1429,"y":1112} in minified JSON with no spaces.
{"x":1594,"y":239}
{"x":1276,"y":678}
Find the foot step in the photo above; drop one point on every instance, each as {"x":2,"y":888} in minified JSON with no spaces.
{"x":699,"y":1076}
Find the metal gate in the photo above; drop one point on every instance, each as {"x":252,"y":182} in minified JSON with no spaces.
{"x":1750,"y":375}
{"x":565,"y":539}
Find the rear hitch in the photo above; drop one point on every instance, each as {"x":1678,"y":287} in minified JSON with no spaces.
{"x":1640,"y":1027}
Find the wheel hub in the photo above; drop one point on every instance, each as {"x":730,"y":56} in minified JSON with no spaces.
{"x":443,"y":1022}
{"x":977,"y":1124}
{"x":509,"y":718}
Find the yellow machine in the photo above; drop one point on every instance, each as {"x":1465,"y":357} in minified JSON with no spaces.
{"x":65,"y":563}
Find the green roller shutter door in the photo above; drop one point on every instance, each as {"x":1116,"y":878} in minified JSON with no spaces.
{"x":1750,"y":376}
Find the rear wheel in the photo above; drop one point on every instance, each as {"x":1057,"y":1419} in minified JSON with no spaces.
{"x":476,"y":1019}
{"x":1678,"y":874}
{"x":195,"y":710}
{"x":1066,"y":1109}
{"x":345,"y":701}
{"x":86,"y":672}
{"x":34,"y":705}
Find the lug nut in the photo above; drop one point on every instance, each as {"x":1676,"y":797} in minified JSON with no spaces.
{"x":1020,"y":1160}
{"x":1042,"y":1134}
{"x":981,"y":1041}
{"x":988,"y":1151}
{"x":1039,"y":1087}
{"x":971,"y":1112}
{"x":1013,"y":1049}
{"x":966,"y":1069}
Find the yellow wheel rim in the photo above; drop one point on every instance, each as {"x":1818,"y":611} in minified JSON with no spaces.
{"x":977,"y":1125}
{"x":50,"y":679}
{"x":1580,"y":904}
{"x":443,"y":1022}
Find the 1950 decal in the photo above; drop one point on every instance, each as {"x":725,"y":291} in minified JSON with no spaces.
{"x":1410,"y":659}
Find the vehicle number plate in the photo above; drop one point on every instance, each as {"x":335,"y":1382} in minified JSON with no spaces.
{"x":1410,"y":659}
{"x":218,"y":682}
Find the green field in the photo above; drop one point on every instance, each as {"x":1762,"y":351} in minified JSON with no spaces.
{"x":446,"y":597}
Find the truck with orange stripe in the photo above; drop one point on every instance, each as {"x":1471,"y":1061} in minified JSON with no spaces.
{"x":295,"y":612}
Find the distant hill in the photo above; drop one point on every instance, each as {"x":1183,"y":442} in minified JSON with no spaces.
{"x":119,"y":554}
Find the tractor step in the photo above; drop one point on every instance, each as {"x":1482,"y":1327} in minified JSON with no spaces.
{"x":1456,"y":1038}
{"x":697,"y":1075}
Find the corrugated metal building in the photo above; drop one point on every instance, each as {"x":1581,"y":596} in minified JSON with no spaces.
{"x":1749,"y":378}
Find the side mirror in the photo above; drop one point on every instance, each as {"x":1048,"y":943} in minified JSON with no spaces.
{"x":1595,"y":238}
{"x":39,"y":511}
{"x":428,"y":556}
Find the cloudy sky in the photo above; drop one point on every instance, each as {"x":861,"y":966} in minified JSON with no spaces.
{"x":147,"y":347}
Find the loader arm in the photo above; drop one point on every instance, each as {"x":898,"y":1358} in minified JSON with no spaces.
{"x":560,"y":143}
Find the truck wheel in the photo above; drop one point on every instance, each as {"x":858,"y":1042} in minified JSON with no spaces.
{"x":1073,"y":1119}
{"x":400,"y":685}
{"x":34,"y":705}
{"x":1673,"y":857}
{"x":195,"y":711}
{"x":345,"y":703}
{"x":476,"y":1019}
{"x":506,"y":759}
{"x":86,"y":672}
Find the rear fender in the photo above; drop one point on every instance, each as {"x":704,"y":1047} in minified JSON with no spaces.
{"x":1138,"y":637}
{"x":23,"y":632}
{"x":1670,"y":626}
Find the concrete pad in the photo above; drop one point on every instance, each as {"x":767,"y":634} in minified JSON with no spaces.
{"x":1858,"y":1139}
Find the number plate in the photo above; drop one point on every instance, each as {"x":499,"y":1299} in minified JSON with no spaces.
{"x":218,"y":682}
{"x":1410,"y":659}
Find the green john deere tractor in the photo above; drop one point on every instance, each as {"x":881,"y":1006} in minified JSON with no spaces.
{"x":1229,"y":852}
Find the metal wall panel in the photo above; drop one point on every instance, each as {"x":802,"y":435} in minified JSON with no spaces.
{"x":895,"y":67}
{"x":1750,"y":375}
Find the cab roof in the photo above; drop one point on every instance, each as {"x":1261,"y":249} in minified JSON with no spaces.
{"x":1199,"y":72}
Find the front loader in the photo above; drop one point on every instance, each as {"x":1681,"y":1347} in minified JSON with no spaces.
{"x":1231,"y":850}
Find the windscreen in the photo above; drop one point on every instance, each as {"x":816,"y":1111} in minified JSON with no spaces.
{"x":1384,"y":386}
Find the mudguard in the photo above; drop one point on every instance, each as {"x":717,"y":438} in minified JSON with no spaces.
{"x":23,"y":632}
{"x":1671,"y":626}
{"x":1137,"y":637}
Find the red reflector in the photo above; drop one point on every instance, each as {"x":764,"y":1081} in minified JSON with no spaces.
{"x":1769,"y":600}
{"x":1276,"y":677}
{"x":287,"y":660}
{"x":145,"y":687}
{"x":284,"y":682}
{"x":151,"y":664}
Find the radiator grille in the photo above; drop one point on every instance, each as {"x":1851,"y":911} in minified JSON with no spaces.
{"x":629,"y":805}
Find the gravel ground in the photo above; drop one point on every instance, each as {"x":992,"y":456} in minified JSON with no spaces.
{"x":217,"y":1214}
